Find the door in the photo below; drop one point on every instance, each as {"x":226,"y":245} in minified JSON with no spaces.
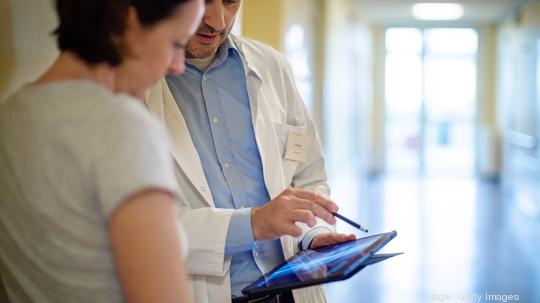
{"x":430,"y":95}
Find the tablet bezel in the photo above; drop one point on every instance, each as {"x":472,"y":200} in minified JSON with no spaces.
{"x":384,"y":238}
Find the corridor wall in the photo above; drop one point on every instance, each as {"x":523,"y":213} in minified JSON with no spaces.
{"x":27,"y":47}
{"x":518,"y":105}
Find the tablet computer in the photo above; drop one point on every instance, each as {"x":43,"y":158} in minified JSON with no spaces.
{"x":321,"y":265}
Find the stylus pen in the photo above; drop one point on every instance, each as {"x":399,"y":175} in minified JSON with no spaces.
{"x":351,"y":222}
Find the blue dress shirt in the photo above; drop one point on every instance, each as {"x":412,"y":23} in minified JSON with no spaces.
{"x":216,"y":108}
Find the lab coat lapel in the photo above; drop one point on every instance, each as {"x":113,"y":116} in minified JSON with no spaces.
{"x":265,"y":134}
{"x":161,"y":102}
{"x":263,"y":127}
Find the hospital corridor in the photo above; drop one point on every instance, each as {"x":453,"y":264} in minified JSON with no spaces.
{"x":429,"y":119}
{"x":430,"y":128}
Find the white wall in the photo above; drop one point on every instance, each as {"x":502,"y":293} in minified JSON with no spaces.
{"x":518,"y":105}
{"x":348,"y":84}
{"x":27,"y":47}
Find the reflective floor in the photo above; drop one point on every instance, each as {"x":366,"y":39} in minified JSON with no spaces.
{"x":462,"y":242}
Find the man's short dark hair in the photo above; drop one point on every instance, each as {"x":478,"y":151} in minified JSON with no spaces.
{"x":88,"y":27}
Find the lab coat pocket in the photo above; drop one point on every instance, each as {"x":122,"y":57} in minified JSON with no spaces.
{"x":282,"y":132}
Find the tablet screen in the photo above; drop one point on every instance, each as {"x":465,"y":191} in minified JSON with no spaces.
{"x":323,"y":263}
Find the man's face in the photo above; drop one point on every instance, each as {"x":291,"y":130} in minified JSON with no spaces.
{"x":215,"y":26}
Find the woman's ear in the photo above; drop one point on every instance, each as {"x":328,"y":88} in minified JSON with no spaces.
{"x":127,"y":41}
{"x":132,"y":20}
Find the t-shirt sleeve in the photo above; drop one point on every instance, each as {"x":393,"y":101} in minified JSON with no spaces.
{"x":132,"y":155}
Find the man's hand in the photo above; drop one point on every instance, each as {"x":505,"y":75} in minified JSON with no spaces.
{"x":278,"y":217}
{"x":330,"y":239}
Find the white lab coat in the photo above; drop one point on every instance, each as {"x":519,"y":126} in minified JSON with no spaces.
{"x":276,"y":109}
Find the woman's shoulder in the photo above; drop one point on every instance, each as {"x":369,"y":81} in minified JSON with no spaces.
{"x":105,"y":107}
{"x":79,"y":104}
{"x":126,"y":110}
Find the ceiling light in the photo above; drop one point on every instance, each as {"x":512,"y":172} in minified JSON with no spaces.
{"x":437,"y":11}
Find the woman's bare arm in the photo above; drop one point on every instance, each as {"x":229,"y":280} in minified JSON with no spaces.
{"x":147,"y":249}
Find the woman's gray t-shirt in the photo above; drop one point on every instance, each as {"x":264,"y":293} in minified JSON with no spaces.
{"x":70,"y":153}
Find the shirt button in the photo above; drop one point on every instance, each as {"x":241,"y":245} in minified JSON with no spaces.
{"x":226,"y":165}
{"x":216,"y":120}
{"x":205,"y":78}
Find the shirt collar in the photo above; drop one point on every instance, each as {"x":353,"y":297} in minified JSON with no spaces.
{"x":226,"y":49}
{"x":251,"y":68}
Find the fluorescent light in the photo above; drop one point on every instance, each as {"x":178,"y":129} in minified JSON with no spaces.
{"x":437,"y":11}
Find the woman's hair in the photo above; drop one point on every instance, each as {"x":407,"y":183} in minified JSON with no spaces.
{"x":88,"y":27}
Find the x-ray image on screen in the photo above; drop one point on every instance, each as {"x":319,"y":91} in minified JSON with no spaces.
{"x":322,"y":265}
{"x":319,"y":263}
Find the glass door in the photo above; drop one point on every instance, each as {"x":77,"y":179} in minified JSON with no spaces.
{"x":403,"y":93}
{"x":430,"y":92}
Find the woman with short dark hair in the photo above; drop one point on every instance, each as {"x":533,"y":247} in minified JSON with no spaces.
{"x":87,"y":184}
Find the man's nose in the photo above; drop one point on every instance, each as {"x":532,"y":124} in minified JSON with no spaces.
{"x":214,"y":16}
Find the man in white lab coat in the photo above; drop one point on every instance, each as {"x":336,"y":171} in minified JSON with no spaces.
{"x":249,"y":161}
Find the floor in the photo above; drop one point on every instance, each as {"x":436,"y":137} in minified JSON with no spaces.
{"x":462,"y":242}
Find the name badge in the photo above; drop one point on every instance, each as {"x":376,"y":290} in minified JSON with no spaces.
{"x":297,"y":147}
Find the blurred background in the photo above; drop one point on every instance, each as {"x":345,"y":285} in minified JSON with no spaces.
{"x":430,"y":124}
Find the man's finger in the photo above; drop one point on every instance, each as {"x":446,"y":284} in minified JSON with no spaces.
{"x":302,"y":215}
{"x":344,"y":238}
{"x":315,"y":208}
{"x":314,"y":197}
{"x":292,"y":230}
{"x":331,"y":238}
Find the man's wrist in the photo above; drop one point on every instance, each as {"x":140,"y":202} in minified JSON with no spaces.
{"x":254,"y":228}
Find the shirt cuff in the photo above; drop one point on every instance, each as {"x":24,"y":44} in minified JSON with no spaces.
{"x":240,"y":234}
{"x":305,"y":243}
